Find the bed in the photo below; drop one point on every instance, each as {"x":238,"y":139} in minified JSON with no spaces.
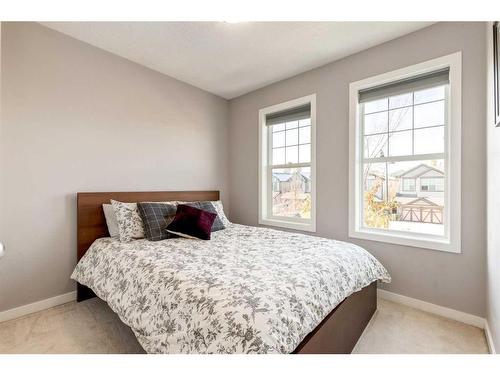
{"x":247,"y":290}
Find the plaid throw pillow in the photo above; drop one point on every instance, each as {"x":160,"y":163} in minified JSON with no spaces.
{"x":220,"y":213}
{"x":156,"y":217}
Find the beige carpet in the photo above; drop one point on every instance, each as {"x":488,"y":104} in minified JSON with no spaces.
{"x":400,"y":329}
{"x":91,"y":327}
{"x":86,"y":327}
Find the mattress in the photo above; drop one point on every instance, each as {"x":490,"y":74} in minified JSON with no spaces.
{"x":247,"y":290}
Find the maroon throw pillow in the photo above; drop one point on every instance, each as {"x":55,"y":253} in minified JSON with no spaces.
{"x":192,"y":222}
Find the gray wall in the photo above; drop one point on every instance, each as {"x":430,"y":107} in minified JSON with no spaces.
{"x":453,"y":280}
{"x":493,"y":202}
{"x":76,"y":118}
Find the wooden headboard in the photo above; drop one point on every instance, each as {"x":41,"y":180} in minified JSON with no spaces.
{"x":91,"y":223}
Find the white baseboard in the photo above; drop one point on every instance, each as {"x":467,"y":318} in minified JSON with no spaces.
{"x":446,"y":312}
{"x":37,"y":306}
{"x":489,"y":338}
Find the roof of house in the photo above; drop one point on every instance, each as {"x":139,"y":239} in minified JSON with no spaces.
{"x":418,"y":171}
{"x":283,"y":177}
{"x":421,"y":201}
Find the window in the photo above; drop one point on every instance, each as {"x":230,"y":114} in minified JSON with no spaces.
{"x":435,"y":184}
{"x":408,"y":184}
{"x":405,"y":156}
{"x":287,"y":168}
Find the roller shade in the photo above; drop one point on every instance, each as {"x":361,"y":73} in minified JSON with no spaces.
{"x":420,"y":82}
{"x":292,"y":114}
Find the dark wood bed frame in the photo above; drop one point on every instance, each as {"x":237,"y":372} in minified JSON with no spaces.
{"x":338,"y":333}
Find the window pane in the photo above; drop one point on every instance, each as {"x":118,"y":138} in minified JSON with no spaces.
{"x":430,"y":114}
{"x":400,"y":119}
{"x":291,"y":192}
{"x":393,"y":198}
{"x":305,"y":135}
{"x":278,"y":127}
{"x":292,"y":137}
{"x":429,"y":141}
{"x":375,"y":146}
{"x":305,"y":122}
{"x":429,"y":95}
{"x":292,"y":154}
{"x":400,"y":101}
{"x":434,"y":184}
{"x":376,"y":106}
{"x":376,"y":123}
{"x":279,"y":156}
{"x":292,"y":124}
{"x":278,"y":139}
{"x":408,"y":184}
{"x":305,"y":153}
{"x":400,"y":143}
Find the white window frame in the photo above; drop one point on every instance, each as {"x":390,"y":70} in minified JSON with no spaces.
{"x":450,"y":242}
{"x":265,"y":177}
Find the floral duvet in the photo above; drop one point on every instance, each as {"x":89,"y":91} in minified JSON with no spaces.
{"x":247,"y":290}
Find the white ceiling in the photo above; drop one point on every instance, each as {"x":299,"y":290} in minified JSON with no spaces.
{"x":231,"y":59}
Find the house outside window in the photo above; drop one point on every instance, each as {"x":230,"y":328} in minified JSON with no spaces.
{"x":405,"y":129}
{"x":286,"y":164}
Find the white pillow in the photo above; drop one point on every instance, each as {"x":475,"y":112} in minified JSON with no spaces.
{"x":220,"y":212}
{"x":111,"y":222}
{"x":130,"y":225}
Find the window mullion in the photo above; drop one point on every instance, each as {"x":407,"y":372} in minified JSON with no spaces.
{"x":395,"y":159}
{"x":286,"y":166}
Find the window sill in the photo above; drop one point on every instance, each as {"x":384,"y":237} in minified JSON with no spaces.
{"x":307,"y":227}
{"x":406,"y":240}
